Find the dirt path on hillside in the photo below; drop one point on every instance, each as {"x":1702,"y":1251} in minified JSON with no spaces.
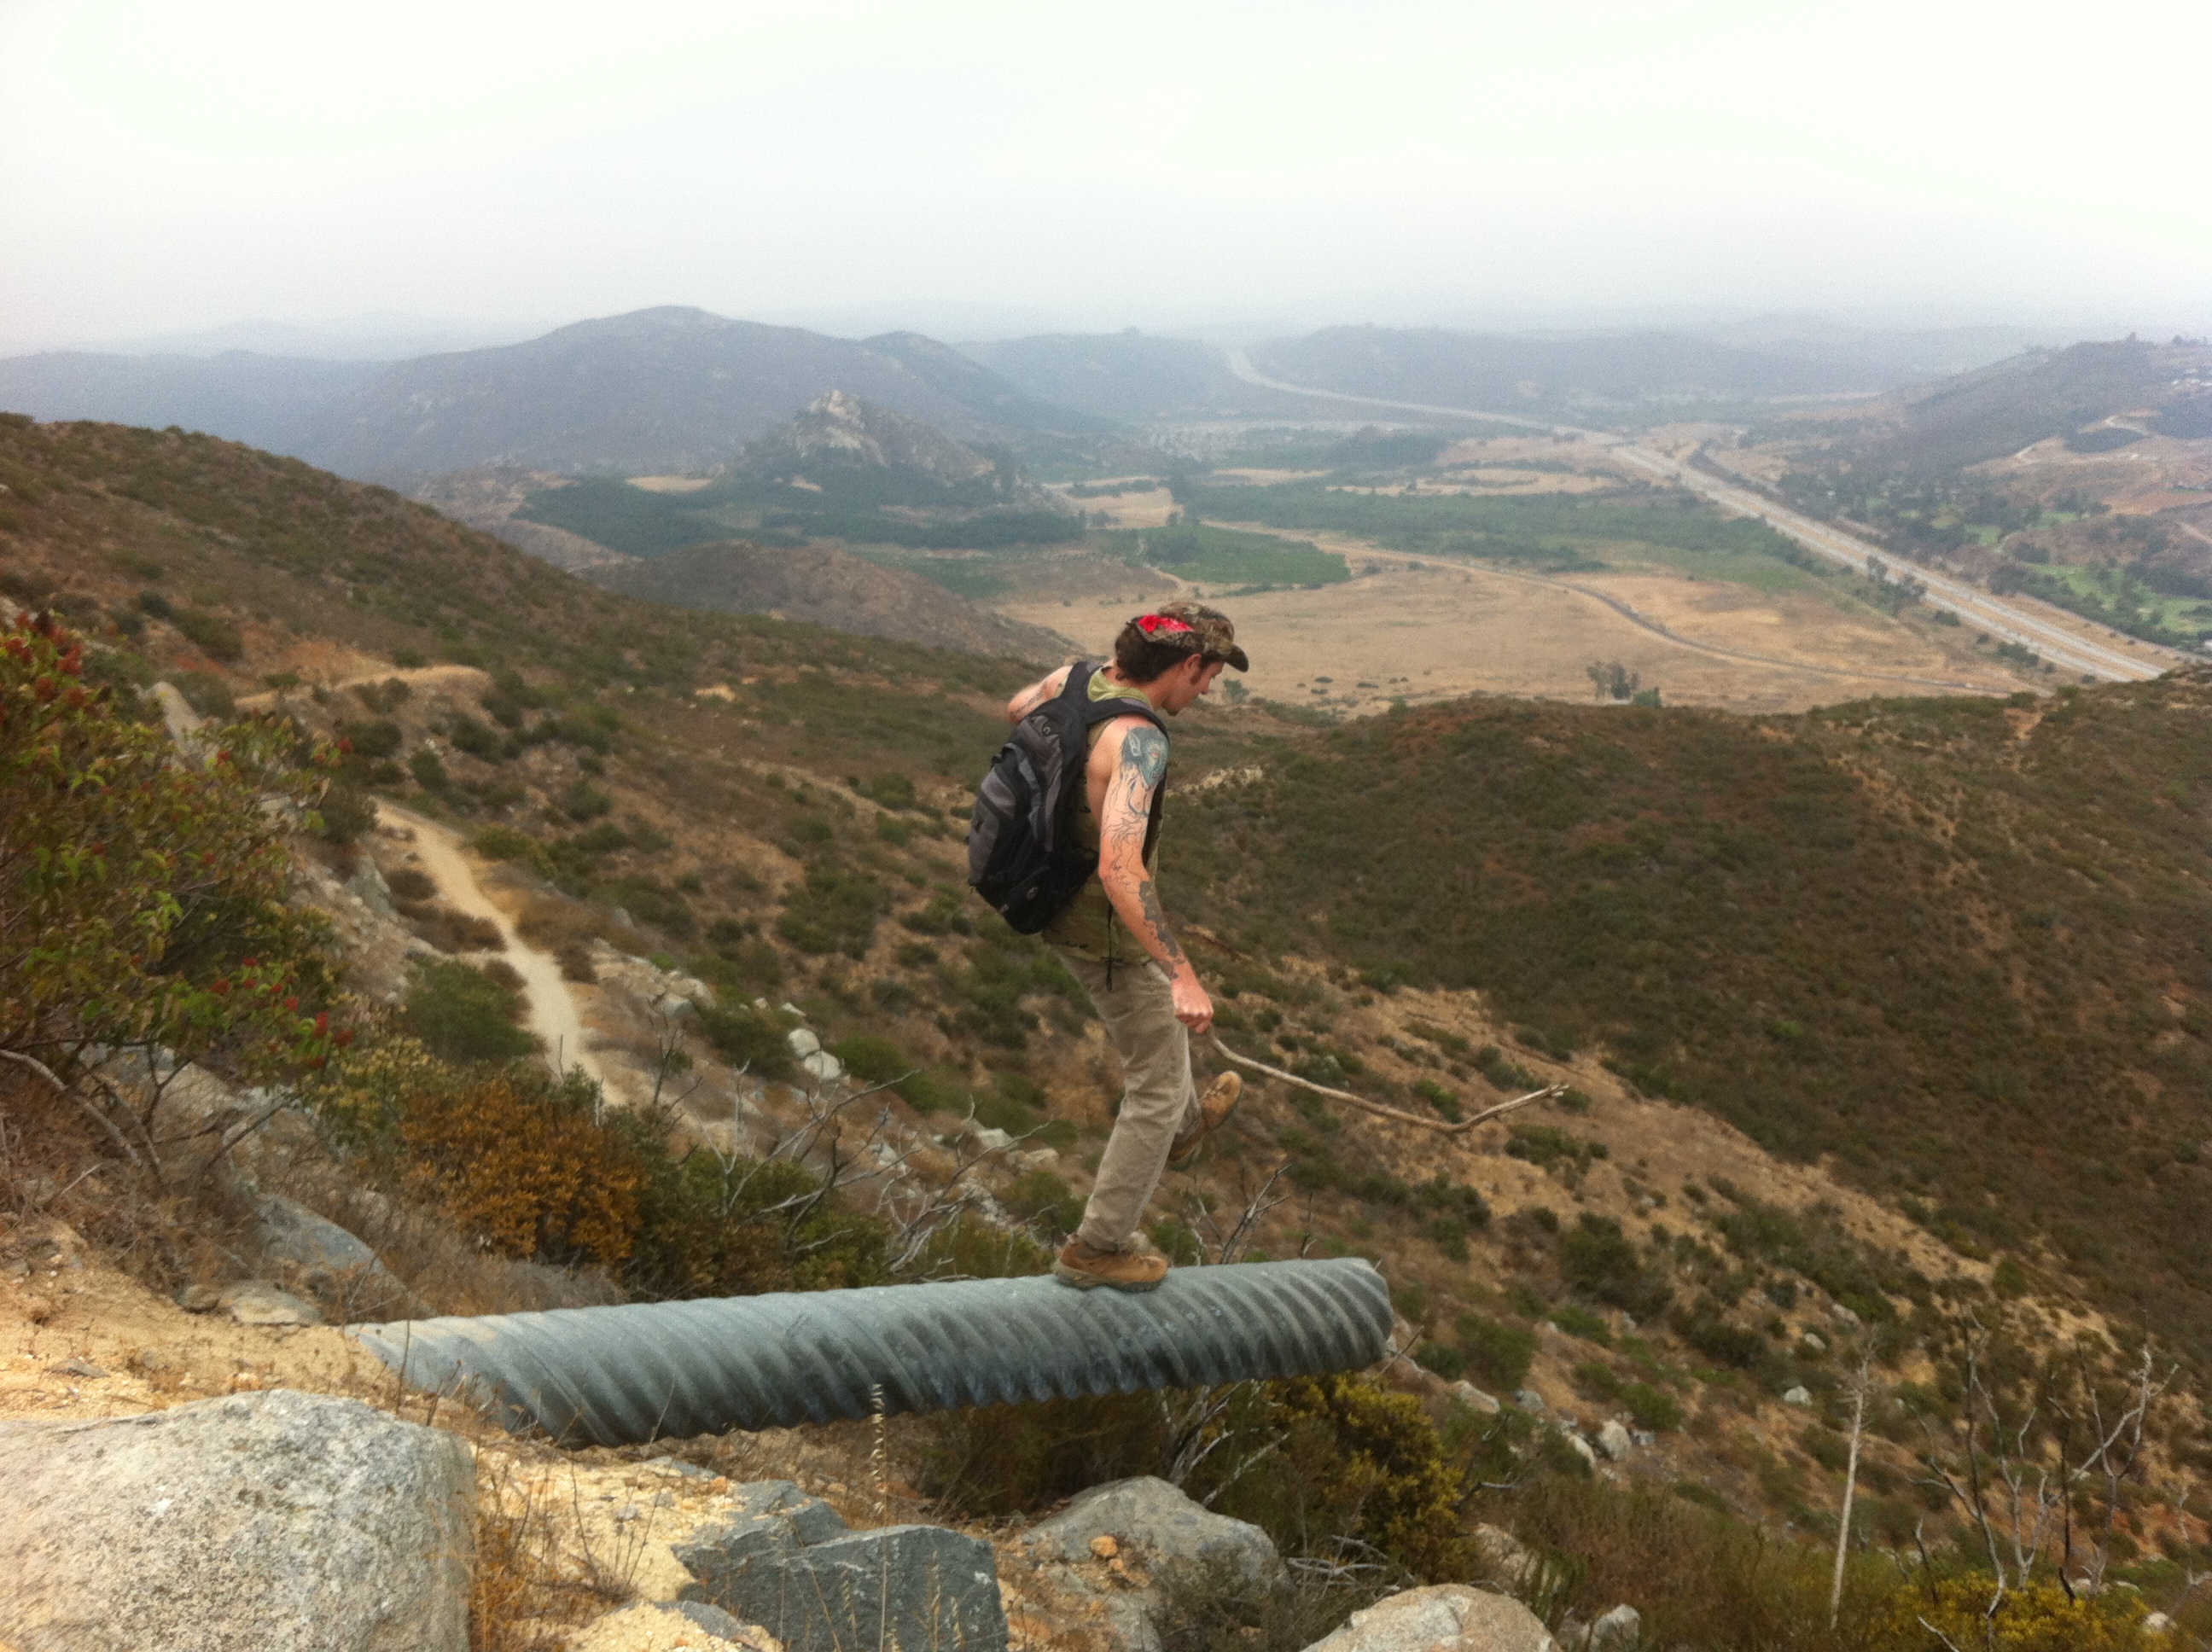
{"x":551,"y":1007}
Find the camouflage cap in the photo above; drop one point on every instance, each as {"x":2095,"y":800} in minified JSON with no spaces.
{"x":1194,"y":627}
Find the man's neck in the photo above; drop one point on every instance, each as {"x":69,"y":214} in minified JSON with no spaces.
{"x":1155,"y":691}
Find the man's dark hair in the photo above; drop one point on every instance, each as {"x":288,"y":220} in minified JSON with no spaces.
{"x":1139,"y":659}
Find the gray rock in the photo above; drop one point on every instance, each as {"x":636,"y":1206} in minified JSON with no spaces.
{"x":803,"y":1042}
{"x":1800,"y":1395}
{"x":1505,"y":1558}
{"x":1580,"y":1446}
{"x":713,"y":1619}
{"x":1164,"y":1529}
{"x":823,"y":1065}
{"x":1812,"y":1341}
{"x":1644,"y":1437}
{"x":329,"y":1261}
{"x":276,"y":1520}
{"x":257,"y":1302}
{"x":1844,"y":1316}
{"x":1529,"y":1399}
{"x":1620,"y":1630}
{"x":2157,"y":1623}
{"x":1445,"y":1618}
{"x":1613,"y":1439}
{"x":1467,"y":1394}
{"x":787,"y":1562}
{"x":366,"y":884}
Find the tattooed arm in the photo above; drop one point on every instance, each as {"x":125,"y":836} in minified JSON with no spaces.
{"x":1139,"y":764}
{"x":1036,"y":695}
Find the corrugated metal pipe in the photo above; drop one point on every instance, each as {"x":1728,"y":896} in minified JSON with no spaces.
{"x":622,"y":1376}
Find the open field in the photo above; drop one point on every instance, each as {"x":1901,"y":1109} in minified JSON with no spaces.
{"x":1425,"y":629}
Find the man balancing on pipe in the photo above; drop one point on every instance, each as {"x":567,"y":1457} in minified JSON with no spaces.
{"x":1114,"y":937}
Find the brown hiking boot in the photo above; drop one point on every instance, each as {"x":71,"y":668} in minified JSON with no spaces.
{"x":1213,"y":1110}
{"x":1086,"y":1268}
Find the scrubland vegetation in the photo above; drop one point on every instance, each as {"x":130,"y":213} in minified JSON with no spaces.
{"x":1956,"y":948}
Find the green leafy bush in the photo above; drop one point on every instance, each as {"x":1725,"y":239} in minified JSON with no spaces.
{"x":1498,"y":1355}
{"x":750,"y":1038}
{"x":463,"y":1016}
{"x":834,"y":910}
{"x":213,"y":635}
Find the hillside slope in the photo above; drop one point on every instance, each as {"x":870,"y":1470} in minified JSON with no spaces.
{"x":1962,"y":948}
{"x":1927,"y":919}
{"x":824,"y":586}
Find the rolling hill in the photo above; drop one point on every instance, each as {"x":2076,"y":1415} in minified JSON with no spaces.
{"x":824,"y":586}
{"x":844,"y":469}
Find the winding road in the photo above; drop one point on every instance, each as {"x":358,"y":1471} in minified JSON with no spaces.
{"x":2001,"y":619}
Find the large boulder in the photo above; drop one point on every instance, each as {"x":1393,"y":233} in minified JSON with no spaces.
{"x":1447,"y":1618}
{"x":236,"y":1525}
{"x":789,"y":1563}
{"x":1164,"y":1529}
{"x":326,"y":1259}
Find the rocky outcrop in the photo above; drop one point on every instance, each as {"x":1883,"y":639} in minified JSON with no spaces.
{"x":1448,"y":1618}
{"x":1164,"y":1529}
{"x":789,"y":1563}
{"x":1112,"y":1556}
{"x":236,"y":1525}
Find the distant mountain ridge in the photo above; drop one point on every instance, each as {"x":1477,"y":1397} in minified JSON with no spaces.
{"x":657,"y":390}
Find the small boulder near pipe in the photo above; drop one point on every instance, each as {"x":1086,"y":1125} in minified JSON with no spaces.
{"x":242,"y":1524}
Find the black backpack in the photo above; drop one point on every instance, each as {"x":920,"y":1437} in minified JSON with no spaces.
{"x":1023,"y":856}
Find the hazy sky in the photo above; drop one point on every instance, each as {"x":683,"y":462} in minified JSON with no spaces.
{"x":167,"y":166}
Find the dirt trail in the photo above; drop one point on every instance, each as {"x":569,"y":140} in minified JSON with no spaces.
{"x":552,"y":1012}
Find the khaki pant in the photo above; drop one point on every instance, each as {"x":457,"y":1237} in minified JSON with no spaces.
{"x":1159,"y":1099}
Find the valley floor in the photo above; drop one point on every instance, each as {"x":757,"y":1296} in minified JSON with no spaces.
{"x":1423,"y":629}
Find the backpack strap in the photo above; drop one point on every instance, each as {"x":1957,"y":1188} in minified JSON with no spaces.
{"x":1095,"y":712}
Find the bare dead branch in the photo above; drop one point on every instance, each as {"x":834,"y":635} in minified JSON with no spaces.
{"x":1381,"y":1110}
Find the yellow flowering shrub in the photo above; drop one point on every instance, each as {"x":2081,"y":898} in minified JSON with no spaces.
{"x":2037,"y":1618}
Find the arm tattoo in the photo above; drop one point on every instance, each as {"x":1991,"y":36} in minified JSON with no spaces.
{"x":1144,"y":748}
{"x":1142,"y":764}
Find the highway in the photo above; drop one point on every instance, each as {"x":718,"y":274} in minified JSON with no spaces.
{"x":2005,"y":621}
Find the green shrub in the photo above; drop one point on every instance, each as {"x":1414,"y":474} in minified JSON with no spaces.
{"x":1045,"y":1198}
{"x":506,"y":843}
{"x":1575,"y":1322}
{"x":214,"y":636}
{"x":584,"y":801}
{"x":371,"y":740}
{"x":462,"y":1015}
{"x":1498,"y":1354}
{"x":1652,"y":1408}
{"x":833,"y":911}
{"x":1598,"y":1257}
{"x":969,"y":1249}
{"x":750,"y":1038}
{"x":1594,"y":1381}
{"x":1442,"y":1357}
{"x":429,"y":773}
{"x":870,"y":1059}
{"x":934,"y":1090}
